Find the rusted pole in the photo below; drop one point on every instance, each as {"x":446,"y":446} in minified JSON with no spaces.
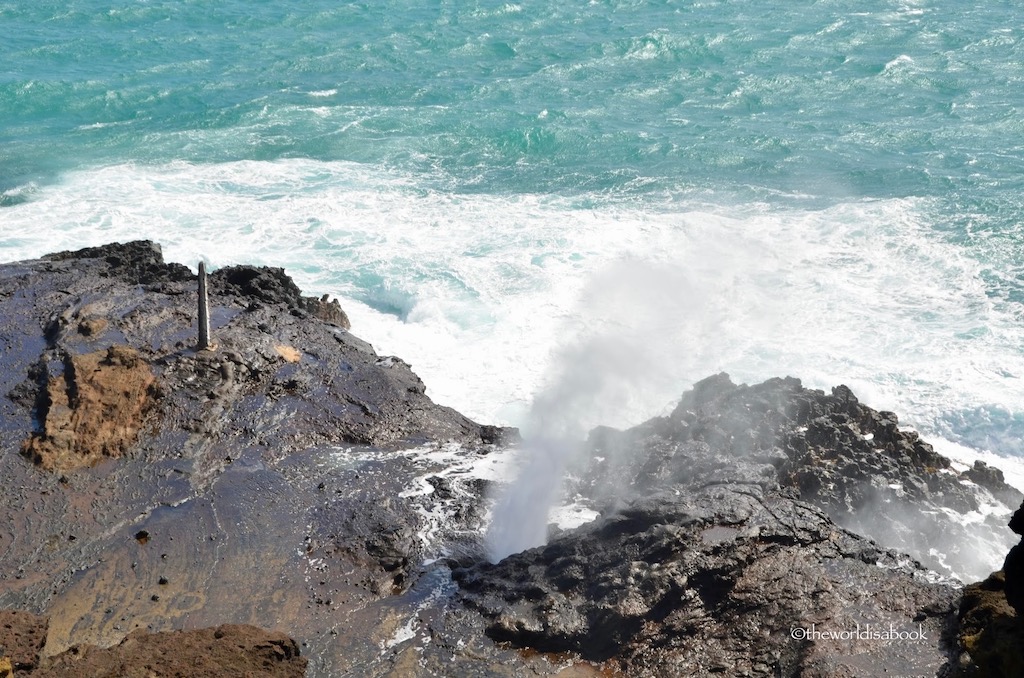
{"x":204,"y":311}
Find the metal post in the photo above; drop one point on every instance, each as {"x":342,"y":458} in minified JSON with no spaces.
{"x":204,"y":311}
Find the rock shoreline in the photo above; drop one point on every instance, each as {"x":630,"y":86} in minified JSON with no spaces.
{"x":156,"y":496}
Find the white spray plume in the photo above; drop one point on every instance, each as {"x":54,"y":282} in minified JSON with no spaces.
{"x":633,"y":345}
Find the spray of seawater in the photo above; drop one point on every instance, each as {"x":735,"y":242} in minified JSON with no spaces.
{"x":624,"y":358}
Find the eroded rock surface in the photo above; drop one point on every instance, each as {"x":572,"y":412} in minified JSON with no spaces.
{"x":92,"y":408}
{"x":734,"y":525}
{"x":221,"y":652}
{"x":830,"y":450}
{"x":729,"y":580}
{"x":990,"y":635}
{"x":22,"y":636}
{"x":294,"y":479}
{"x":226,"y":459}
{"x":227,"y":651}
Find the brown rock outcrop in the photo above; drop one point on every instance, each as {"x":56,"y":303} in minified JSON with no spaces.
{"x":227,"y":651}
{"x":223,"y":651}
{"x":22,"y":636}
{"x":93,"y":410}
{"x":990,"y":635}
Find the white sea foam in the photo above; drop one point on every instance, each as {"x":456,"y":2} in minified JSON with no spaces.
{"x":458,"y":466}
{"x":479,"y":292}
{"x":963,"y":457}
{"x":573,"y":514}
{"x":103,"y":125}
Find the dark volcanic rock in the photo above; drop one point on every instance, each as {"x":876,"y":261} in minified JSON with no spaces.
{"x":138,"y":262}
{"x":331,"y":384}
{"x":216,"y":456}
{"x":255,"y":284}
{"x":992,"y":480}
{"x":827,"y":449}
{"x":727,"y":580}
{"x":1013,"y":566}
{"x":293,"y":478}
{"x":373,"y":533}
{"x":719,"y":551}
{"x":258,"y":285}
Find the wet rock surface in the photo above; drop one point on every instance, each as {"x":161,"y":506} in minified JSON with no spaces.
{"x":853,"y":462}
{"x":293,"y":479}
{"x":227,"y":460}
{"x":729,"y":580}
{"x":734,"y":526}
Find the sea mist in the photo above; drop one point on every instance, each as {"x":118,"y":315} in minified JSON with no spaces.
{"x":626,"y":359}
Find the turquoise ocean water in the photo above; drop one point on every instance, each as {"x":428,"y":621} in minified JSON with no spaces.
{"x":652,"y":190}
